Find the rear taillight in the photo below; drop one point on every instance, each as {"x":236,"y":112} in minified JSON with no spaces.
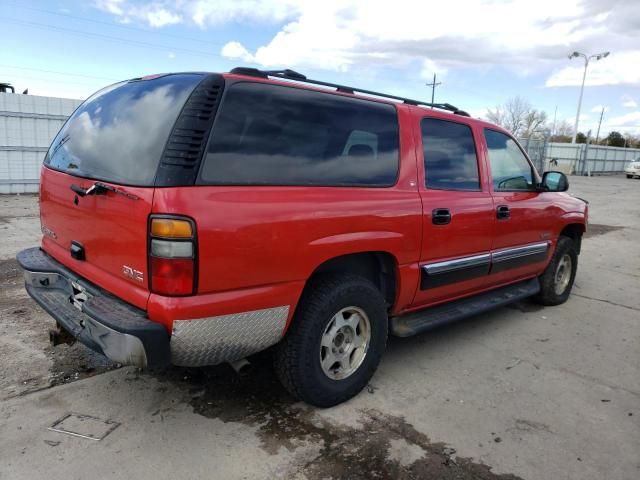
{"x":172,"y":255}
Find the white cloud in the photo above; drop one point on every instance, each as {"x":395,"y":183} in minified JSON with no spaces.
{"x":628,"y":120}
{"x":236,"y":50}
{"x":171,"y":55}
{"x":111,"y":6}
{"x":158,"y":13}
{"x":628,"y":102}
{"x":215,"y":12}
{"x":523,"y":36}
{"x":598,"y":108}
{"x":154,"y":14}
{"x":617,"y":69}
{"x":161,"y":17}
{"x":429,"y":67}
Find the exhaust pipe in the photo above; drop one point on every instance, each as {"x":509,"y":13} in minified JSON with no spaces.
{"x":242,"y":366}
{"x":58,"y":336}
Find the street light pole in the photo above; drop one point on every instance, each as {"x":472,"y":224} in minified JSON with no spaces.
{"x":597,"y":56}
{"x":599,"y":124}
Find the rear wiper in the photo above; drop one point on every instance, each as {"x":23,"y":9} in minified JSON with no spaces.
{"x":62,"y":141}
{"x":99,"y":188}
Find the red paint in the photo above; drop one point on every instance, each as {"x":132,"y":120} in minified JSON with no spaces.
{"x":257,"y":246}
{"x":111,"y":227}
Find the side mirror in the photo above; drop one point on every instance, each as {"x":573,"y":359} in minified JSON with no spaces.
{"x":554,"y":182}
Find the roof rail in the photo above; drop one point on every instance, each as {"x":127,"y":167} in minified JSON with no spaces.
{"x":288,"y":74}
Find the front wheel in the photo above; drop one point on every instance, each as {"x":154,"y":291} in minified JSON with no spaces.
{"x":335,"y":341}
{"x":629,"y":176}
{"x":557,"y":280}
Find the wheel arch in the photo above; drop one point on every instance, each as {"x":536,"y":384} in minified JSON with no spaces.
{"x":574,"y":231}
{"x":380,"y":267}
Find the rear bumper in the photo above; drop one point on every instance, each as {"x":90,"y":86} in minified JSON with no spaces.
{"x":99,"y":320}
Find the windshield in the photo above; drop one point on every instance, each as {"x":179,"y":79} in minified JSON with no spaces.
{"x":119,"y":133}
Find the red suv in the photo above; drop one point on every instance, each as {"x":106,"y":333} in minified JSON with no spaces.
{"x":198,"y":218}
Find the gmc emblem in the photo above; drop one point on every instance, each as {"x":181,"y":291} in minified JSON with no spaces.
{"x":129,"y":272}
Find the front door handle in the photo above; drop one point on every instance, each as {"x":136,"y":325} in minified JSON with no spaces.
{"x":440,"y":216}
{"x":502,"y":212}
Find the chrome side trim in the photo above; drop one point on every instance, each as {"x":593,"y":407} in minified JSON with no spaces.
{"x":518,"y":252}
{"x":461,"y":269}
{"x":224,"y":338}
{"x":457,"y":264}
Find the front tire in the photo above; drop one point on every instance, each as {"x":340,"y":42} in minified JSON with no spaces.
{"x":335,"y":342}
{"x":629,"y":176}
{"x":557,"y":280}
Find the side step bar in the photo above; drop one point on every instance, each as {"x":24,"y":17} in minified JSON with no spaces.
{"x":434,"y":317}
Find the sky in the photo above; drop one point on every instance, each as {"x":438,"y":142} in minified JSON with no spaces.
{"x":483,"y":51}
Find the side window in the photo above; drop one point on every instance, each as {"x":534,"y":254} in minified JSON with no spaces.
{"x":450,"y":160}
{"x":275,"y":135}
{"x":510,"y":169}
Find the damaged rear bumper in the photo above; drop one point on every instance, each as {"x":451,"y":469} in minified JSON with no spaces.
{"x":99,"y":320}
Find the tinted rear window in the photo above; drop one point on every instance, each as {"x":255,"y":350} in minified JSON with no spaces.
{"x":274,"y":135}
{"x":119,"y":133}
{"x":450,"y":161}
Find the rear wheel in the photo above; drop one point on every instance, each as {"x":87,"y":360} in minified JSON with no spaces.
{"x":335,"y":341}
{"x":557,"y":280}
{"x":629,"y":176}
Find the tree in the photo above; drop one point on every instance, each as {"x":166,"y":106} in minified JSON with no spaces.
{"x":563,"y":132}
{"x":633,"y":141}
{"x":615,"y":139}
{"x":519,"y":117}
{"x":534,"y":122}
{"x":581,"y":138}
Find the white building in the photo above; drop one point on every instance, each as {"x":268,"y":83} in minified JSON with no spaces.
{"x":28,"y":124}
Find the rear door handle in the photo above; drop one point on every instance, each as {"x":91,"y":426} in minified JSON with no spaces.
{"x":502,"y":212}
{"x":440,"y":216}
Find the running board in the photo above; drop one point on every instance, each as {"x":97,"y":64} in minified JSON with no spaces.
{"x":430,"y":318}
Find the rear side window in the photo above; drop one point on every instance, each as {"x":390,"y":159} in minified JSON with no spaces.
{"x":275,"y":135}
{"x":450,"y":160}
{"x":119,"y":133}
{"x":510,"y":169}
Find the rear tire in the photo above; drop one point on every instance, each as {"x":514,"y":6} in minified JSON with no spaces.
{"x":335,"y":341}
{"x":629,"y":176}
{"x":557,"y":280}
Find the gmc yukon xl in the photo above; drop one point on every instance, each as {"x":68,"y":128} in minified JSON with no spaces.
{"x":198,"y":218}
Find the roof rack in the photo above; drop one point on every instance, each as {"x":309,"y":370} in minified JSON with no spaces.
{"x":288,"y":74}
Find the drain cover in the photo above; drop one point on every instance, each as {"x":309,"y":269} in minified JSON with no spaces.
{"x":84,"y":426}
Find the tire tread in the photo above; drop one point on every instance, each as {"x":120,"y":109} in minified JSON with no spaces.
{"x":290,"y":353}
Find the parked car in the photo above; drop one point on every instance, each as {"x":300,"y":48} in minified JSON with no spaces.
{"x":633,"y":169}
{"x":195,"y":219}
